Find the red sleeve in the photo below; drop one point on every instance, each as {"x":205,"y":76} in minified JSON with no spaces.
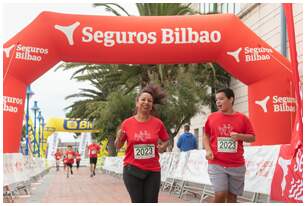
{"x":207,"y":127}
{"x":123,"y":129}
{"x":163,"y":134}
{"x":248,"y":126}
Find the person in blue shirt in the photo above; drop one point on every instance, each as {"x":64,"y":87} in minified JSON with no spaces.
{"x":187,"y":140}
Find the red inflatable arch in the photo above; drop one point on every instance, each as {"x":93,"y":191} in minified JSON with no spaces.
{"x":223,"y":39}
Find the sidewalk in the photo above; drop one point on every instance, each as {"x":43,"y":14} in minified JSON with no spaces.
{"x":55,"y":187}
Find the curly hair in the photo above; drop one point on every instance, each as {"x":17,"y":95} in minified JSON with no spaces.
{"x":156,"y":92}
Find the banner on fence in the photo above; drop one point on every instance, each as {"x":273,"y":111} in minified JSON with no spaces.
{"x":192,"y":166}
{"x":260,"y":164}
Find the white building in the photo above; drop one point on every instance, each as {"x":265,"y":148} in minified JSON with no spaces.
{"x":267,"y":21}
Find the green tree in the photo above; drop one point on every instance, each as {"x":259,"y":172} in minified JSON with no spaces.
{"x":118,"y":107}
{"x":211,"y":77}
{"x":217,"y":76}
{"x":183,"y":102}
{"x":151,"y":9}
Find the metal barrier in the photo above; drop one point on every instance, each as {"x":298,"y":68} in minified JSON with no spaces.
{"x":204,"y":191}
{"x":11,"y":191}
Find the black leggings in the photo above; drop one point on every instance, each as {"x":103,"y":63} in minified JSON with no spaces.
{"x":69,"y":165}
{"x":77,"y":164}
{"x":142,"y":190}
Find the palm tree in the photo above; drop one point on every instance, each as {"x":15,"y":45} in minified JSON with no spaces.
{"x":217,"y":77}
{"x":151,"y":9}
{"x":157,"y":73}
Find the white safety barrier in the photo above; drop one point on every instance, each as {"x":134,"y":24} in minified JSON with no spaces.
{"x":260,"y":164}
{"x":196,"y":168}
{"x":113,"y":164}
{"x":19,"y":170}
{"x":192,"y":167}
{"x":17,"y":167}
{"x":14,"y":169}
{"x":164,"y":160}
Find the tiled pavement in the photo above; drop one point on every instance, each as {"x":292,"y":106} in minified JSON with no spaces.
{"x":55,"y":187}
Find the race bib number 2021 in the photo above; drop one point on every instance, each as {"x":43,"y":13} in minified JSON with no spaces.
{"x":144,"y":151}
{"x":227,"y":144}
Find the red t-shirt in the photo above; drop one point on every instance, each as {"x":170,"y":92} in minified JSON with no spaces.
{"x":77,"y":156}
{"x":227,"y":152}
{"x":58,"y":155}
{"x":93,"y":150}
{"x":70,"y":157}
{"x":142,"y":139}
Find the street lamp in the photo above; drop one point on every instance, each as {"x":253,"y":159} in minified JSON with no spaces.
{"x":43,"y":124}
{"x":75,"y":144}
{"x":35,"y":108}
{"x":39,"y":117}
{"x":29,"y":94}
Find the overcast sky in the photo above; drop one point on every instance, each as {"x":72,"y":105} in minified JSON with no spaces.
{"x":51,"y":88}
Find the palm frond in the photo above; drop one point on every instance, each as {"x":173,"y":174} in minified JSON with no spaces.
{"x":109,"y":7}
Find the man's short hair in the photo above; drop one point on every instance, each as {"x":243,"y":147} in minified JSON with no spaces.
{"x":186,"y":127}
{"x":228,"y":93}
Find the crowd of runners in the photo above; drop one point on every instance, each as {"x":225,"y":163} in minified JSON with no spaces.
{"x":69,"y":157}
{"x":146,"y":137}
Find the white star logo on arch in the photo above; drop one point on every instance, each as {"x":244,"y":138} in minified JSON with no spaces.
{"x":68,"y":31}
{"x":8,"y":50}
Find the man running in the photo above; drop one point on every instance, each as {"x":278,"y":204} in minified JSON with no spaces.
{"x":70,"y":160}
{"x":93,"y":150}
{"x":77,"y":159}
{"x":225,"y":132}
{"x":57,"y":156}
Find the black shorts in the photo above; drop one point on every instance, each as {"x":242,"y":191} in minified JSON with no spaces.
{"x":69,"y":165}
{"x":93,"y":160}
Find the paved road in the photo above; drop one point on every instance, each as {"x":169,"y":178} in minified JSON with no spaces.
{"x":55,"y":187}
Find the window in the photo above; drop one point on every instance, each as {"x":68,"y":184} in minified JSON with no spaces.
{"x":230,"y":8}
{"x":206,"y":7}
{"x":223,"y":7}
{"x":237,"y":8}
{"x":211,"y":7}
